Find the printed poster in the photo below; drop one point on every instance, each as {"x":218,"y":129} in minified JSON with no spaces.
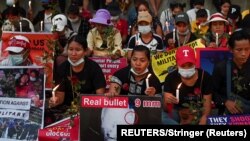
{"x":41,"y":53}
{"x":22,"y":101}
{"x":109,"y":66}
{"x":100,"y":115}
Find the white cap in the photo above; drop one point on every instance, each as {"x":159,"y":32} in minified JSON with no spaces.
{"x":18,"y":43}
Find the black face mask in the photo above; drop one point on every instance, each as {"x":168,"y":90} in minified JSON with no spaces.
{"x":63,"y":41}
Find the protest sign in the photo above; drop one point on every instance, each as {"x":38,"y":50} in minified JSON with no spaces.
{"x":208,"y":57}
{"x":61,"y":130}
{"x":229,"y":120}
{"x":41,"y":51}
{"x":109,"y":66}
{"x":21,"y":102}
{"x":100,"y":115}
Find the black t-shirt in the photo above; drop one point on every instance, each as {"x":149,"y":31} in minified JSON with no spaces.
{"x":188,"y":93}
{"x":91,"y":78}
{"x":125,"y":78}
{"x":220,"y":81}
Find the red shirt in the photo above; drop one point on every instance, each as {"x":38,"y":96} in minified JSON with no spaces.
{"x":122,"y":26}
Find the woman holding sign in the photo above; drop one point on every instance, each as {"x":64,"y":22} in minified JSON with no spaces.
{"x":187,"y":91}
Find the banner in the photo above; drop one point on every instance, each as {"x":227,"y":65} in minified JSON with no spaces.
{"x":61,"y":131}
{"x":100,"y":115}
{"x":22,"y":98}
{"x":41,"y":51}
{"x":229,"y":120}
{"x":164,"y":63}
{"x":109,"y":66}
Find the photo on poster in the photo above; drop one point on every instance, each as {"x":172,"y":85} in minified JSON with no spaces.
{"x":21,"y":102}
{"x":37,"y":49}
{"x":100,"y":115}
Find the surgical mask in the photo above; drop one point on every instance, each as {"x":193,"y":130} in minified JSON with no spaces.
{"x":137,"y":74}
{"x":183,"y":34}
{"x":186,"y":73}
{"x":32,"y":78}
{"x":10,"y":2}
{"x":74,"y":20}
{"x":76,"y":63}
{"x":16,"y":59}
{"x":144,"y":29}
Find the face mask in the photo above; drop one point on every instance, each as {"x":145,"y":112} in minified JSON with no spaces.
{"x":183,"y":34}
{"x":32,"y":78}
{"x":10,"y":2}
{"x":16,"y":59}
{"x":76,"y":63}
{"x":137,"y":74}
{"x":186,"y":73}
{"x":74,"y":20}
{"x":144,"y":29}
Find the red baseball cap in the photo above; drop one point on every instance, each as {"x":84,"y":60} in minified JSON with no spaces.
{"x":185,"y":54}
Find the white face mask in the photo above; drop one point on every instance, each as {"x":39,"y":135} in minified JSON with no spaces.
{"x":76,"y":63}
{"x":137,"y":74}
{"x":186,"y":73}
{"x":10,"y":2}
{"x":144,"y":29}
{"x":32,"y":78}
{"x":16,"y":59}
{"x":74,"y":20}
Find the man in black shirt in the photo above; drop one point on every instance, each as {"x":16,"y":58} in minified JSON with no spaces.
{"x":232,"y":78}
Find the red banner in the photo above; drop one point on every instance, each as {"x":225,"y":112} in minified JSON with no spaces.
{"x":60,"y":131}
{"x":41,"y":53}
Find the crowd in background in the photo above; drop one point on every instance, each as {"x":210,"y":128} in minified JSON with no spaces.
{"x":115,"y":30}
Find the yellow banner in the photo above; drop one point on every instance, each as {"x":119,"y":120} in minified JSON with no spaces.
{"x":196,"y":44}
{"x":163,"y":64}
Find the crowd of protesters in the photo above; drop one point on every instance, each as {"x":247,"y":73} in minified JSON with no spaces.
{"x":107,"y":32}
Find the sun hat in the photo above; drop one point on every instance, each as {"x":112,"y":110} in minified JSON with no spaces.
{"x":59,"y":22}
{"x":144,"y":16}
{"x":102,"y":16}
{"x":18,"y":43}
{"x":185,"y":54}
{"x":217,"y":17}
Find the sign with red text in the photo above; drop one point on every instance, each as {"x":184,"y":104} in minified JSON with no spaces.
{"x":41,"y":51}
{"x":100,"y":115}
{"x":61,"y":131}
{"x":109,"y":66}
{"x":229,"y":120}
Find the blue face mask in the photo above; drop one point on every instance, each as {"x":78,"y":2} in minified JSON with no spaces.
{"x":16,"y":59}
